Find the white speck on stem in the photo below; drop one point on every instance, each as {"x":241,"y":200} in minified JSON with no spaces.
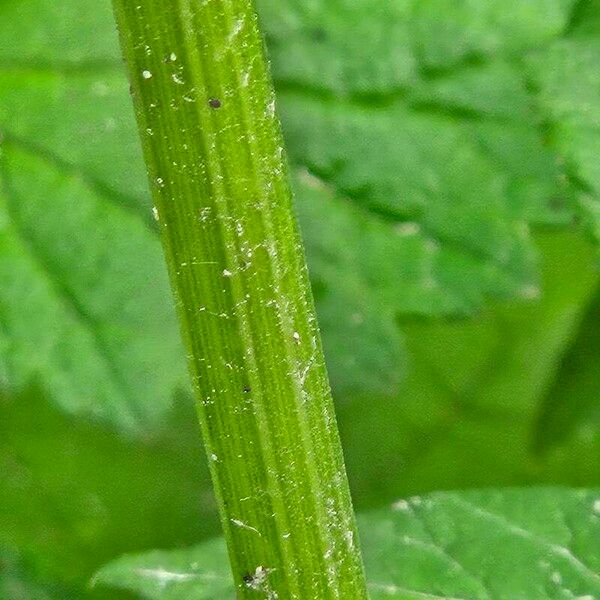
{"x":214,"y":457}
{"x":296,"y":337}
{"x":304,"y":374}
{"x":258,"y":581}
{"x":155,"y":213}
{"x":235,"y":30}
{"x":146,"y":74}
{"x":160,"y":182}
{"x":173,"y":57}
{"x":177,"y":79}
{"x":349,"y":537}
{"x":556,"y":578}
{"x":596,"y":506}
{"x":227,"y":273}
{"x":245,"y":526}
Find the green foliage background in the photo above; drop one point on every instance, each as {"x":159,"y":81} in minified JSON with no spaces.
{"x":447,"y":181}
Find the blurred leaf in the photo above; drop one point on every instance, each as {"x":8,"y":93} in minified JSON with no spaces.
{"x":534,"y":544}
{"x":468,"y":411}
{"x":572,"y":406}
{"x":85,"y":303}
{"x":447,"y":33}
{"x":411,"y":125}
{"x":74,"y":493}
{"x":16,"y":583}
{"x":568,"y":80}
{"x":586,"y":17}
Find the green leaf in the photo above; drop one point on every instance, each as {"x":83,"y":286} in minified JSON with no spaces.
{"x":466,"y":29}
{"x":104,"y":339}
{"x":18,"y":584}
{"x":569,"y":94}
{"x":74,"y":493}
{"x":571,"y":408}
{"x":586,"y":17}
{"x":476,"y":387}
{"x":535,"y":544}
{"x":77,"y":251}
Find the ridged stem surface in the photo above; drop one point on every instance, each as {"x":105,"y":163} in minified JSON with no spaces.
{"x":213,"y":147}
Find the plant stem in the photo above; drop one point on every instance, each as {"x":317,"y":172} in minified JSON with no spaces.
{"x":212,"y":143}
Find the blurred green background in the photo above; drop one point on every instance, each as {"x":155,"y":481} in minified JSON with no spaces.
{"x":445,"y":166}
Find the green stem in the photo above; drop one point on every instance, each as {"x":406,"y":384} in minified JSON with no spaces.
{"x":212,"y":142}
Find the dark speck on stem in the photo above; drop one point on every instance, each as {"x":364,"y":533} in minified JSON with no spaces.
{"x":214,"y":103}
{"x":247,"y":390}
